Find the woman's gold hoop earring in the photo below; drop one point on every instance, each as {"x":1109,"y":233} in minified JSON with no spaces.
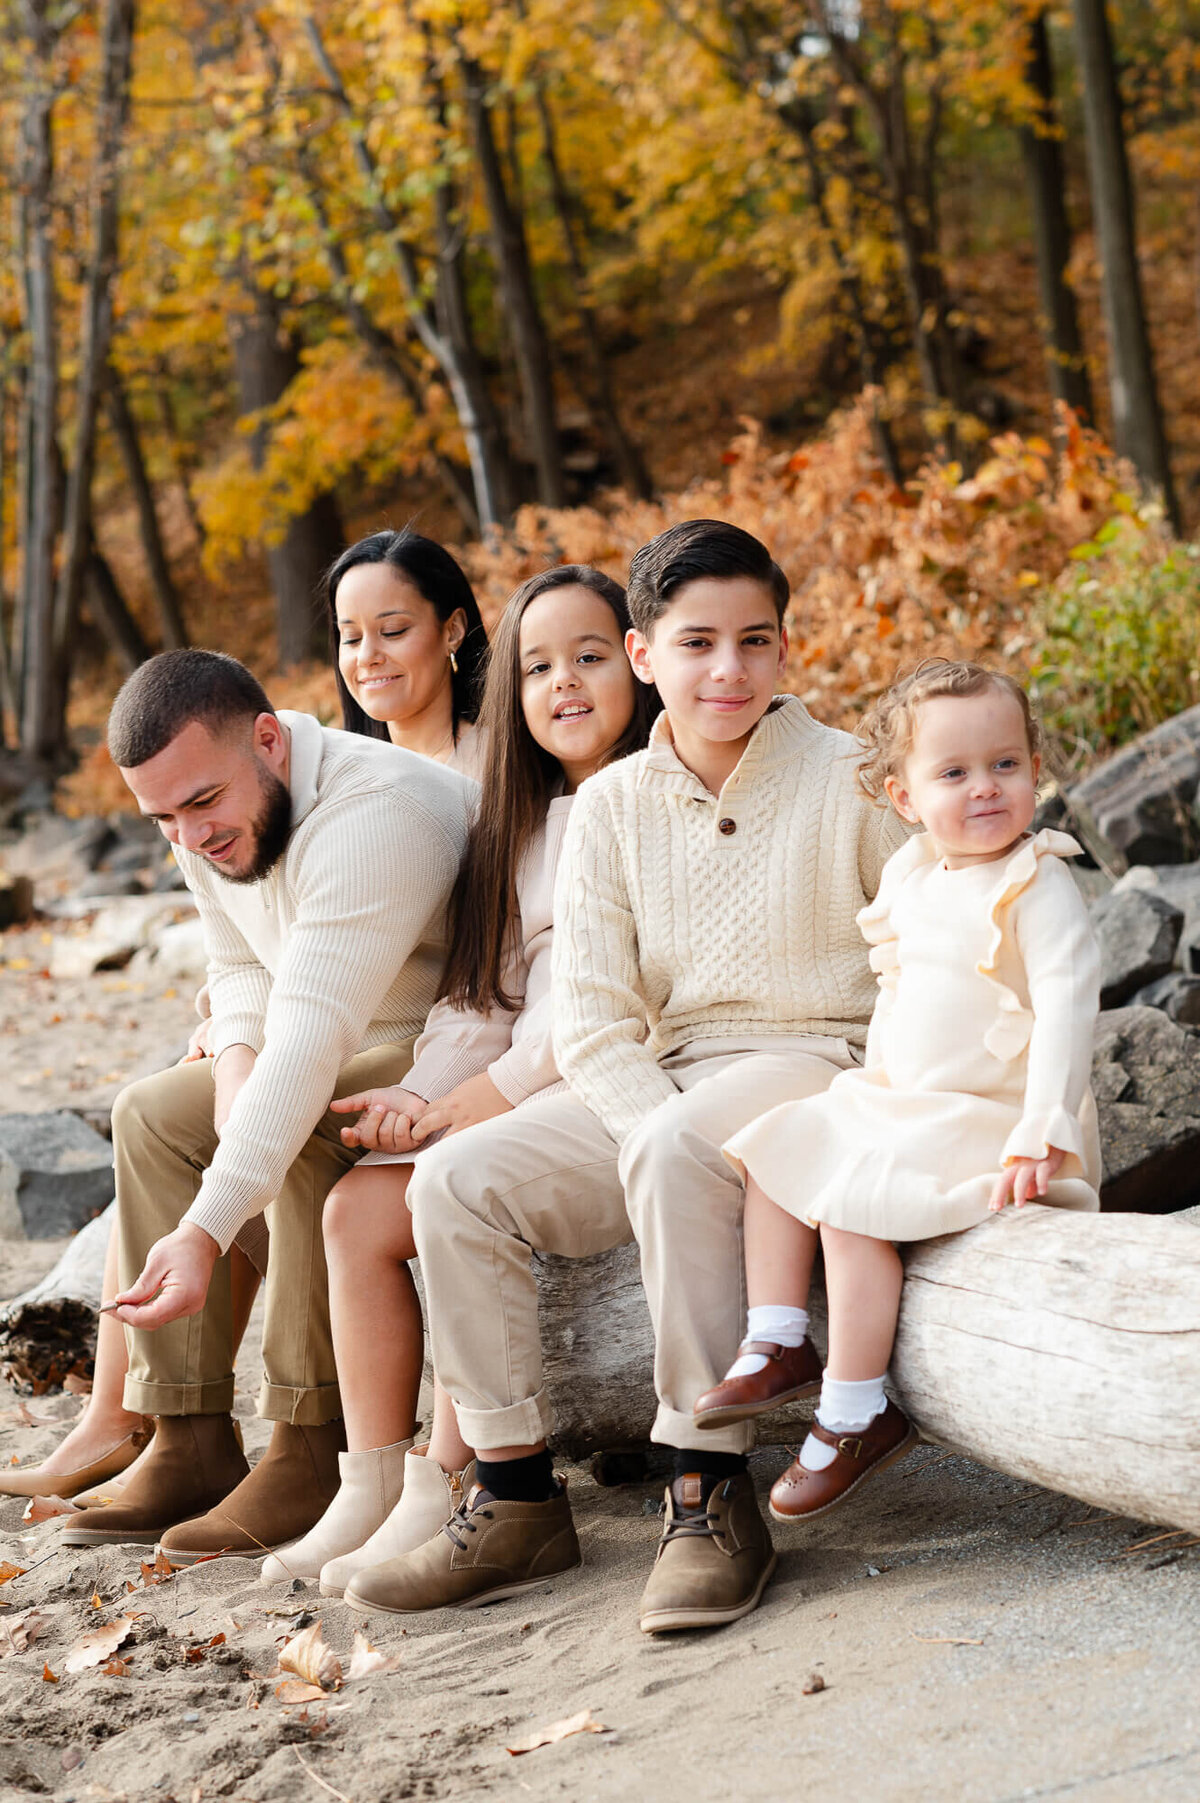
{"x":454,"y":663}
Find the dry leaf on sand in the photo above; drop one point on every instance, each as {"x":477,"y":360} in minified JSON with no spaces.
{"x":583,"y":1723}
{"x":8,"y":1572}
{"x":49,"y":1677}
{"x":116,"y":1668}
{"x":160,"y":1572}
{"x":44,"y":1508}
{"x":297,"y":1690}
{"x":367,"y":1661}
{"x":99,"y":1645}
{"x":307,"y":1655}
{"x":15,"y":1635}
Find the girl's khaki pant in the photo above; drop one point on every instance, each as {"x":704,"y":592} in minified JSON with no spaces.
{"x":548,"y":1177}
{"x":163,"y":1141}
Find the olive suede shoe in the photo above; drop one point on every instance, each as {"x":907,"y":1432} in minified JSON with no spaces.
{"x":487,"y":1550}
{"x":714,"y":1560}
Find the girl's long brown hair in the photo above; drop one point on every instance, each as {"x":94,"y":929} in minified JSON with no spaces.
{"x":519,"y":780}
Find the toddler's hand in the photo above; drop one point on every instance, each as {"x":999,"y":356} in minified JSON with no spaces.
{"x":1023,"y":1178}
{"x":477,"y":1099}
{"x":386,"y":1118}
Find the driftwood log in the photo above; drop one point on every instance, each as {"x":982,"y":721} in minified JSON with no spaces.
{"x":49,"y":1333}
{"x":1060,"y":1348}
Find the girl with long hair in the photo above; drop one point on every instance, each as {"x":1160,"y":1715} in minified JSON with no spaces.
{"x":560,"y":701}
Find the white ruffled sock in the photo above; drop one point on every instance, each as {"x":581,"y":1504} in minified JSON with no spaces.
{"x":844,"y":1408}
{"x":775,"y":1324}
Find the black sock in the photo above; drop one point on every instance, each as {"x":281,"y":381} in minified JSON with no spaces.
{"x":712,"y":1466}
{"x":530,"y":1479}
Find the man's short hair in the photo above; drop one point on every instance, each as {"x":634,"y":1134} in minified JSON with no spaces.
{"x":691,"y":551}
{"x":169,"y":691}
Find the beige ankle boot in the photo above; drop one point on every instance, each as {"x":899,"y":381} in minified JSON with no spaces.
{"x":428,"y":1500}
{"x":371,"y":1485}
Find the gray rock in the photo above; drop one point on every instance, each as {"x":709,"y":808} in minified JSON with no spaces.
{"x":59,"y":853}
{"x":1146,"y":1079}
{"x":55,"y":1174}
{"x":1176,"y":994}
{"x":1144,"y":798}
{"x":1139,"y":932}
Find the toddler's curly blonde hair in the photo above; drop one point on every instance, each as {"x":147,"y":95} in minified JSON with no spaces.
{"x":886,"y":733}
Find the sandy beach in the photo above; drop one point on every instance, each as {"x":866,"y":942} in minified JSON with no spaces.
{"x":950,"y":1634}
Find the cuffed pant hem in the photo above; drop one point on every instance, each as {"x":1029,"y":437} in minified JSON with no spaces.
{"x":520,"y":1424}
{"x":142,"y":1397}
{"x":311,"y":1407}
{"x":673,"y":1429}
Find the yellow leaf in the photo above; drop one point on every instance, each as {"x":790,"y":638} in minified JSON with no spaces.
{"x":100,"y":1645}
{"x":583,"y":1723}
{"x":307,"y":1655}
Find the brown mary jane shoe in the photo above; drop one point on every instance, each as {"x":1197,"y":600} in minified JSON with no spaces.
{"x":790,"y":1372}
{"x":800,"y":1493}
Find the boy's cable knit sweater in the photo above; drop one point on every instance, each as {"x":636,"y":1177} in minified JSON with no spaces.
{"x":684,"y":916}
{"x":337,"y":949}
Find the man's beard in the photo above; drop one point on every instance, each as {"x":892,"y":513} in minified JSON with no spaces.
{"x":271,"y":830}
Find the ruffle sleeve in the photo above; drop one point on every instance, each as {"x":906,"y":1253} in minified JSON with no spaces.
{"x":1009,"y":1033}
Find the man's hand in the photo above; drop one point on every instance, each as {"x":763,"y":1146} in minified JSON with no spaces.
{"x":198,"y":1046}
{"x":477,"y":1099}
{"x":229,"y":1073}
{"x":174,"y":1281}
{"x":387,"y":1117}
{"x":1024,"y":1178}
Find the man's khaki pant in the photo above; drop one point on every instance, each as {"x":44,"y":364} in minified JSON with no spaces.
{"x":163,"y":1141}
{"x":548,"y":1176}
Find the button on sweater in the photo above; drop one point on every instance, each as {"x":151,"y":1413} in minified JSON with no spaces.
{"x":337,"y":949}
{"x":683,"y":915}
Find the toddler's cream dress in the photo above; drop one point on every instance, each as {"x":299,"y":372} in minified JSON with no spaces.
{"x":979,"y":1052}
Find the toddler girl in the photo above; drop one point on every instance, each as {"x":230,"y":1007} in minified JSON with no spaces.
{"x":975,"y":1088}
{"x":560,"y":701}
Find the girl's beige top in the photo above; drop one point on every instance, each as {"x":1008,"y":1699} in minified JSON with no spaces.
{"x":979,"y":1053}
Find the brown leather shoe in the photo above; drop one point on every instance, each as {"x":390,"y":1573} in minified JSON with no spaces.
{"x":714,"y":1559}
{"x":284,"y":1496}
{"x":194,"y":1461}
{"x":790,"y":1371}
{"x":72,"y":1483}
{"x":800,"y":1493}
{"x":487,"y":1550}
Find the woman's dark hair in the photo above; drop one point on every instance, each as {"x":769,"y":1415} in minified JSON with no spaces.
{"x":519,"y":781}
{"x":439,"y":580}
{"x":691,"y":551}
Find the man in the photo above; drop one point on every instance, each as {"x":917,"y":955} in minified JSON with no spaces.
{"x":707,"y":966}
{"x":322,"y":865}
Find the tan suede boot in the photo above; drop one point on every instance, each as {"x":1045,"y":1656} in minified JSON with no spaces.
{"x":714,"y":1559}
{"x":487,"y":1550}
{"x":284,"y":1496}
{"x":428,"y":1500}
{"x":370,"y":1489}
{"x":194,"y":1461}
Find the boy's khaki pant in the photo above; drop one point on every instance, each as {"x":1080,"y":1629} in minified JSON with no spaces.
{"x":548,"y":1176}
{"x":163,"y":1141}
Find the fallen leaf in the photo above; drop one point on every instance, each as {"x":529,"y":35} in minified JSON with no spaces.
{"x":48,"y":1677}
{"x":94,"y":1601}
{"x":945,"y":1640}
{"x":8,"y":1572}
{"x":296,"y":1690}
{"x":45,"y":1508}
{"x":116,"y":1668}
{"x":307,"y":1655}
{"x":15,"y":1635}
{"x":366,"y":1661}
{"x":583,"y":1723}
{"x":194,"y":1654}
{"x":813,"y":1684}
{"x":100,"y":1645}
{"x":160,"y":1571}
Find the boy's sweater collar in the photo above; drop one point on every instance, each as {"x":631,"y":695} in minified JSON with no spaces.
{"x":307,"y":749}
{"x":780,"y":735}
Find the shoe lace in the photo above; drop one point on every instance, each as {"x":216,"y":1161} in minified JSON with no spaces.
{"x":691,"y":1524}
{"x":460,"y":1523}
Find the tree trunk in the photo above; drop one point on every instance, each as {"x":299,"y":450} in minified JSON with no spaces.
{"x":41,"y":697}
{"x":49,"y":1332}
{"x":531,"y":347}
{"x":111,"y":614}
{"x":265,"y":363}
{"x":116,"y":51}
{"x":1138,"y":430}
{"x":124,"y":426}
{"x":1061,"y":1348}
{"x":1045,"y":175}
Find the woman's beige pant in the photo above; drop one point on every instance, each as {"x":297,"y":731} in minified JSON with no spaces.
{"x":548,"y":1176}
{"x":163,"y":1141}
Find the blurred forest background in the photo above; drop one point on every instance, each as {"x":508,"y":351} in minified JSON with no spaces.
{"x":910,"y":289}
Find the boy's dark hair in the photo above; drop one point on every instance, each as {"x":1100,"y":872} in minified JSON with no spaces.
{"x":687,"y":553}
{"x":169,"y":691}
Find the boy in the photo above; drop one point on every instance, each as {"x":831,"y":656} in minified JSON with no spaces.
{"x":706,"y":966}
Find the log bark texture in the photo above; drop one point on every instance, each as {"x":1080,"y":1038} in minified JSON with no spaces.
{"x":1060,"y":1348}
{"x":50,"y":1332}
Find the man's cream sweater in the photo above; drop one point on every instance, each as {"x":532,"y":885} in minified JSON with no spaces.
{"x":339,"y":948}
{"x":684,"y":916}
